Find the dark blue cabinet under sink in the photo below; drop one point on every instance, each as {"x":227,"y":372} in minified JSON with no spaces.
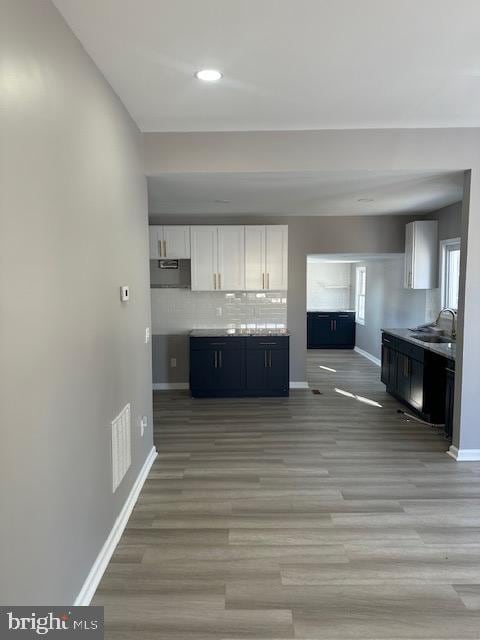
{"x":330,"y":330}
{"x":236,"y":366}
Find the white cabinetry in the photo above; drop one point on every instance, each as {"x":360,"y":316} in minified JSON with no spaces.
{"x":218,"y":258}
{"x":421,"y":254}
{"x":231,"y":258}
{"x":266,"y":257}
{"x":169,"y":241}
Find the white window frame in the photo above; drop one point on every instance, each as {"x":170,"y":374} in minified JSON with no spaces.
{"x":445,"y":247}
{"x":359,"y":318}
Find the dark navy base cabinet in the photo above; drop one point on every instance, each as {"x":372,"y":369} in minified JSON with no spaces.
{"x":414,"y":376}
{"x":330,"y":330}
{"x":239,"y":366}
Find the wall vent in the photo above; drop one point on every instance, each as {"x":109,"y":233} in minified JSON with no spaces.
{"x":121,"y":446}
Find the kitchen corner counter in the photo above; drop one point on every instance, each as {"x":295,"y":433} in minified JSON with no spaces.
{"x":235,"y":333}
{"x":445,"y":349}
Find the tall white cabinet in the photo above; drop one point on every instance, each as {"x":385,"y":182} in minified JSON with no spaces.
{"x":266,"y":257}
{"x":218,"y":258}
{"x":421,"y":254}
{"x":169,"y":241}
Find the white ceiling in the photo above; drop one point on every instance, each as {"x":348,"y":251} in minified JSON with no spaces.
{"x":287,"y":64}
{"x":326,"y":193}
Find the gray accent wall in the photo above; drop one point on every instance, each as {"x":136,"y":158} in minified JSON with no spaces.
{"x":73,"y":229}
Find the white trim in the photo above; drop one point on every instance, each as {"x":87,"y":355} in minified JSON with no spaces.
{"x":442,"y":266}
{"x":165,"y":386}
{"x":464,"y":455}
{"x":369,"y":356}
{"x":299,"y":385}
{"x":101,"y":562}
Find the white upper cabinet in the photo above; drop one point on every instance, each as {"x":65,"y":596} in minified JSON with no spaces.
{"x":421,"y":254}
{"x":204,"y":251}
{"x":276,"y":258}
{"x":169,"y":241}
{"x":155,"y":242}
{"x":266,"y":257}
{"x":231,"y":258}
{"x":176,"y":239}
{"x":255,"y":239}
{"x":239,"y":258}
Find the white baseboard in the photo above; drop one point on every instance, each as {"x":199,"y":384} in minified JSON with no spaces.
{"x":165,"y":386}
{"x":464,"y":455}
{"x":299,"y":385}
{"x":369,"y":356}
{"x":101,"y":562}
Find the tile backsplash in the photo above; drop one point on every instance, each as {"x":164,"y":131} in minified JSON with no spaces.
{"x":177,"y":311}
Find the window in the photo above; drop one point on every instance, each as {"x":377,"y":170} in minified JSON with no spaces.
{"x":360,"y":291}
{"x":450,"y":272}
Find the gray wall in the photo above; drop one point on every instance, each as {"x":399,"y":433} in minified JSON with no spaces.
{"x":73,"y":229}
{"x":388,"y":304}
{"x":314,"y":235}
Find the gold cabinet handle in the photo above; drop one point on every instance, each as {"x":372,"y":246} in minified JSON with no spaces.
{"x":220,"y":359}
{"x":263,"y":281}
{"x":268,"y":281}
{"x":214,"y":280}
{"x":219,"y":280}
{"x":215,"y":360}
{"x":270,"y":359}
{"x":265,"y":359}
{"x":164,"y":248}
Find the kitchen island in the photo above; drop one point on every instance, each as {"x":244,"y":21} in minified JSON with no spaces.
{"x":239,"y":362}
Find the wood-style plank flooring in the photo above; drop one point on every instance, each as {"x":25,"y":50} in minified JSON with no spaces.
{"x":311,"y":517}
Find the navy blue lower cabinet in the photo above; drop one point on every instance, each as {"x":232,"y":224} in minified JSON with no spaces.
{"x":330,"y":330}
{"x":235,"y":367}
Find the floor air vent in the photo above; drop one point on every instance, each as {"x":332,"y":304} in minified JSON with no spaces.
{"x":121,"y":448}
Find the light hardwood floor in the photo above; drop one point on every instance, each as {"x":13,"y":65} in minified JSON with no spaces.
{"x":309,"y":517}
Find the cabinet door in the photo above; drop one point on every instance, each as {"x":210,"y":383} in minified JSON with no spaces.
{"x":409,"y":239}
{"x":204,"y":258}
{"x":403,"y":376}
{"x":278,"y":369}
{"x":386,"y":365}
{"x":255,"y":257}
{"x":231,"y":258}
{"x":176,"y":241}
{"x":343,"y":331}
{"x":230,"y":369}
{"x":276,"y":257}
{"x":204,"y":369}
{"x":319,"y":330}
{"x":257,"y":363}
{"x":155,"y":237}
{"x":416,"y":384}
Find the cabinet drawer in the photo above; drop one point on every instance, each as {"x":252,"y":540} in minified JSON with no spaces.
{"x":268,"y":342}
{"x":217,"y":343}
{"x":389,"y":341}
{"x":411,"y":350}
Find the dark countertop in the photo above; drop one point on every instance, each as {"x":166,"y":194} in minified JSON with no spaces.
{"x":446,"y":349}
{"x":232,"y":333}
{"x":330,"y":310}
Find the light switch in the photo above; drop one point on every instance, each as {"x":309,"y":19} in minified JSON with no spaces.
{"x":147,"y":335}
{"x":125,"y":293}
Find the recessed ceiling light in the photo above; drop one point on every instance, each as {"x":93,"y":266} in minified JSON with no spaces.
{"x":365,"y":200}
{"x":208,"y":75}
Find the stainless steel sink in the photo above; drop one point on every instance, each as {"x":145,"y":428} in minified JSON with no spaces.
{"x":431,"y":338}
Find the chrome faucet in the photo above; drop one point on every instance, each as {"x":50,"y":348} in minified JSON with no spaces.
{"x":454,"y":320}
